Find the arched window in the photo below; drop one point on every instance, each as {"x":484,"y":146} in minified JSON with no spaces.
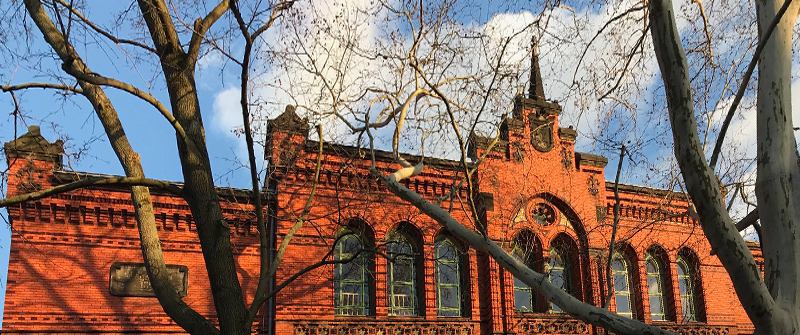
{"x":524,"y":298}
{"x":656,"y":286}
{"x":620,"y":270}
{"x":687,"y":291}
{"x":527,"y":250}
{"x":558,"y":272}
{"x":402,"y":276}
{"x":352,"y":280}
{"x":448,"y":278}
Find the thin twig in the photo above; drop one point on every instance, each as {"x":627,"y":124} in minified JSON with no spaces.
{"x":745,"y":80}
{"x":91,"y":181}
{"x":609,"y":278}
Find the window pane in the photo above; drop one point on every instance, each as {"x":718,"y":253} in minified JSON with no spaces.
{"x":557,"y":278}
{"x":402,"y":296}
{"x":522,"y":300}
{"x":556,"y":309}
{"x":449,"y":298}
{"x":653,"y":285}
{"x":446,"y":252}
{"x":684,"y":286}
{"x":351,"y":295}
{"x":623,"y":304}
{"x":348,"y":270}
{"x":655,"y":306}
{"x":651,"y":267}
{"x":618,"y":265}
{"x":620,"y":282}
{"x":688,"y":310}
{"x":351,"y":244}
{"x":350,"y":280}
{"x":401,"y":270}
{"x":519,"y":283}
{"x":448,"y":273}
{"x":449,"y":312}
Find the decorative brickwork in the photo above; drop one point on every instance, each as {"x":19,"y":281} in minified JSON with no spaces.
{"x":549,"y":207}
{"x":385,"y":328}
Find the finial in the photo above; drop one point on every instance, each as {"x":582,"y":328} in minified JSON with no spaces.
{"x":536,"y":89}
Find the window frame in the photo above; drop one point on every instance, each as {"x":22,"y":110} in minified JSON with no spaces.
{"x":630,"y":290}
{"x":686,"y":275}
{"x":660,"y":279}
{"x":412,"y":258}
{"x":527,"y":249}
{"x":561,"y":264}
{"x":457,"y":263}
{"x":519,"y":286}
{"x":364,"y":283}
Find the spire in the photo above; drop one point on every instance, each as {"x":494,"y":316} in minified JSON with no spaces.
{"x":536,"y":90}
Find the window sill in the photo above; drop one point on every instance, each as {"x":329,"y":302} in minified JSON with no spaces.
{"x":405,"y":318}
{"x":354,"y":317}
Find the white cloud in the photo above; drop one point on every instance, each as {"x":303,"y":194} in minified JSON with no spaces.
{"x":227,"y":110}
{"x":316,"y":37}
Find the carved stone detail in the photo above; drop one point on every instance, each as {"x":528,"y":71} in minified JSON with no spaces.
{"x":518,"y":151}
{"x":131,"y":280}
{"x":386,"y":328}
{"x":697,"y":329}
{"x":601,"y":213}
{"x":567,"y":134}
{"x":566,"y":158}
{"x":541,"y":131}
{"x":543,"y":213}
{"x":29,"y":177}
{"x":552,"y":326}
{"x":594,"y":184}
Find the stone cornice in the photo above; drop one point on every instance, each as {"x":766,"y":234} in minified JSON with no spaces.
{"x":591,"y":159}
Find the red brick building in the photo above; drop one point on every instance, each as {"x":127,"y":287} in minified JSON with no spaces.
{"x":75,"y":257}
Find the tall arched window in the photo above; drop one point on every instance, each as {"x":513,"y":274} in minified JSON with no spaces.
{"x":402,"y":276}
{"x":527,"y":250}
{"x":656,"y":285}
{"x":558,"y":272}
{"x":352,"y":280}
{"x":687,"y":291}
{"x":623,"y":290}
{"x":448,"y":278}
{"x":524,"y":298}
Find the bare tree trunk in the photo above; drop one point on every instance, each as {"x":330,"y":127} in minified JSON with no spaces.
{"x":129,"y":159}
{"x":778,"y":171}
{"x":199,"y":189}
{"x":771,"y":307}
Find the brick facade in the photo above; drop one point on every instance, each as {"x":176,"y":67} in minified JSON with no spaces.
{"x":536,"y":195}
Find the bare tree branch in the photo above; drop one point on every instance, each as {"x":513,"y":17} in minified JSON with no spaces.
{"x":11,"y":88}
{"x":699,"y":177}
{"x":762,"y":42}
{"x":202,"y":26}
{"x":97,"y":79}
{"x":91,"y":181}
{"x":103,"y":32}
{"x":609,"y":278}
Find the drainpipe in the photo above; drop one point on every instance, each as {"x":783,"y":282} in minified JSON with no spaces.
{"x":272,"y":211}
